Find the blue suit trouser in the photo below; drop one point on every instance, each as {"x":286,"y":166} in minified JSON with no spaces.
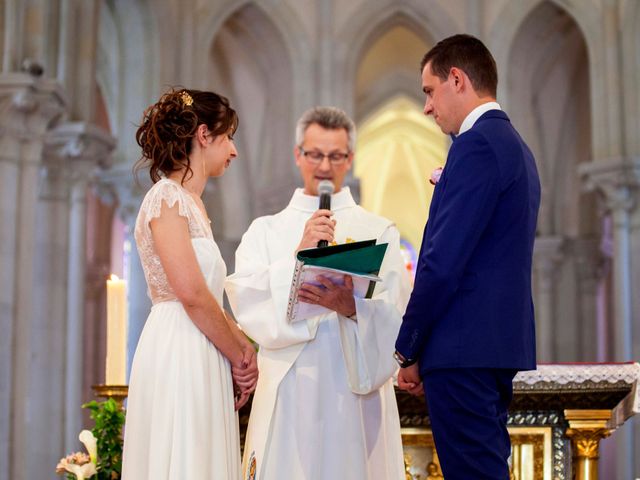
{"x":468,"y":413}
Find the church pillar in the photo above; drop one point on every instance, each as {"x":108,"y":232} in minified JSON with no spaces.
{"x":28,"y":106}
{"x":547,"y":254}
{"x":325,"y":79}
{"x":84,"y":146}
{"x":47,"y":330}
{"x":588,"y":270}
{"x":618,"y":182}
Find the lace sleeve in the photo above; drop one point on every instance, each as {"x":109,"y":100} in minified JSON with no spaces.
{"x":167,"y":192}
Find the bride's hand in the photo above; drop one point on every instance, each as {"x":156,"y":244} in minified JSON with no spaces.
{"x":246,"y":376}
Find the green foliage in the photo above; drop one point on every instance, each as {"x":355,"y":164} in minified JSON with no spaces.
{"x":109,"y":418}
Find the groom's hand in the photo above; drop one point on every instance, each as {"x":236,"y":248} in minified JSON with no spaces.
{"x":409,"y":380}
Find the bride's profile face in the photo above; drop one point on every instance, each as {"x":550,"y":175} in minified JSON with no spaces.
{"x":219,"y":153}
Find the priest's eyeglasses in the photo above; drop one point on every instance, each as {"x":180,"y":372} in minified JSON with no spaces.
{"x":315,"y":157}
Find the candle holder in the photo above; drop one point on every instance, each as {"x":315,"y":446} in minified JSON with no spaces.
{"x":117,"y":392}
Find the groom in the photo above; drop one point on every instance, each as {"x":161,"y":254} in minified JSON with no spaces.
{"x":469,"y":325}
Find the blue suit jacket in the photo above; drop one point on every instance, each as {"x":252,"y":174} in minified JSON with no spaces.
{"x":471,"y":304}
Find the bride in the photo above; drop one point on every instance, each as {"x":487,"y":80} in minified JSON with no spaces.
{"x":191,"y":360}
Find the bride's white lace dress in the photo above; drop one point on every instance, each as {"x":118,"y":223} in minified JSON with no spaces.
{"x":181,"y":422}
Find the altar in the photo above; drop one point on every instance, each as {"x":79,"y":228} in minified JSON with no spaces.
{"x":558,"y":416}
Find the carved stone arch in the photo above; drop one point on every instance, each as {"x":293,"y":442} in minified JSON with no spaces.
{"x":283,"y":18}
{"x":108,"y":53}
{"x":250,"y":63}
{"x":429,"y":22}
{"x":393,"y":86}
{"x":588,"y":20}
{"x":396,"y":81}
{"x":631,"y":74}
{"x":548,"y":84}
{"x":129,"y":78}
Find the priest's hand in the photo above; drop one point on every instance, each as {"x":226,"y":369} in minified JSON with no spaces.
{"x":409,"y":380}
{"x":319,"y":227}
{"x":333,"y":296}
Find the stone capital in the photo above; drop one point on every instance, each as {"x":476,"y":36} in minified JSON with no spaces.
{"x":618,"y":179}
{"x":589,"y":258}
{"x":548,"y":251}
{"x":80,"y":148}
{"x":29,"y":105}
{"x":547,"y":255}
{"x":118,"y":185}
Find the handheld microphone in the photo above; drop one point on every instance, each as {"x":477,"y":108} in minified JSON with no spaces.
{"x":325,"y":189}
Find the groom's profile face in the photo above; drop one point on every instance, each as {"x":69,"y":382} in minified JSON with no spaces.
{"x":440,"y":100}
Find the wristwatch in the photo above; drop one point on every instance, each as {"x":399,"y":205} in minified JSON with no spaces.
{"x":402,"y":361}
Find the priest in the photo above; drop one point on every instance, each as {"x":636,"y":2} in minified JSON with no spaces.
{"x":324,"y":406}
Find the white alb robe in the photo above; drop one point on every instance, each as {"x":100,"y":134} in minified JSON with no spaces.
{"x":324,"y":407}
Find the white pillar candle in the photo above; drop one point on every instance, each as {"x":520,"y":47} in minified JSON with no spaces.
{"x":116,"y":369}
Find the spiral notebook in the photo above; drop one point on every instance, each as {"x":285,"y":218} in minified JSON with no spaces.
{"x":360,"y":260}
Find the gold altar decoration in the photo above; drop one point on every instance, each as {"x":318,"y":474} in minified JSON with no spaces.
{"x":420,"y":440}
{"x":531,"y":453}
{"x":118,"y":392}
{"x":586,"y":429}
{"x":557,"y":418}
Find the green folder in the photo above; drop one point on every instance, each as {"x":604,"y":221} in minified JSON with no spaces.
{"x":360,"y":260}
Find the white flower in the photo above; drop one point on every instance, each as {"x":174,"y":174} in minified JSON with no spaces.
{"x":82,"y":471}
{"x":90,"y":443}
{"x":79,"y":464}
{"x":435,"y":176}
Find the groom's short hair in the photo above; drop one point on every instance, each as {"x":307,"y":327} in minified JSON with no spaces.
{"x":469,"y":54}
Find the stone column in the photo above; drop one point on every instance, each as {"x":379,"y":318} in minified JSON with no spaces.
{"x":27,"y":108}
{"x":48,"y":319}
{"x":547,"y":255}
{"x":618,"y":182}
{"x":85,"y":147}
{"x":325,"y":27}
{"x":588,"y":271}
{"x":77,"y":57}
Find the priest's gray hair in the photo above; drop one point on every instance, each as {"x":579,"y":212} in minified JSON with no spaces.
{"x":331,"y":118}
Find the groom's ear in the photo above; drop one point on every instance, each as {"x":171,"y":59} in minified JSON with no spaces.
{"x":457,"y":78}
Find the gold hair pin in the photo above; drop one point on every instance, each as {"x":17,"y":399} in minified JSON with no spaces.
{"x":187,"y":100}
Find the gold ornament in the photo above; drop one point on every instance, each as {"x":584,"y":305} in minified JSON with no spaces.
{"x":187,"y":100}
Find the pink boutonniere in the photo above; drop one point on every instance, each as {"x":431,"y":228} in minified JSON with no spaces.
{"x":435,"y":176}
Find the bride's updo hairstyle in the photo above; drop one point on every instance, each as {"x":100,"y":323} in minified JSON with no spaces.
{"x":169,"y":126}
